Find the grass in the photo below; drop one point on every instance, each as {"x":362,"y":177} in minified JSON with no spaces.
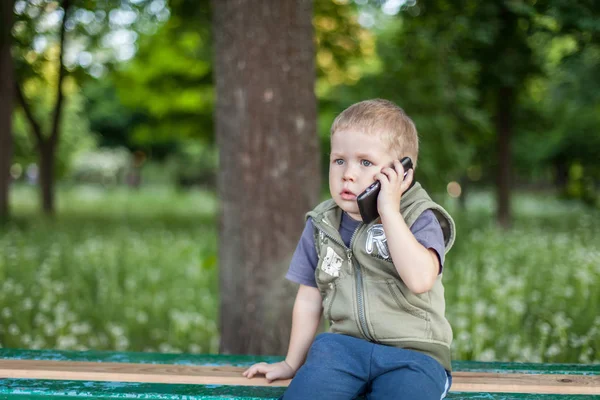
{"x":136,"y":270}
{"x":119,"y":270}
{"x":529,"y":294}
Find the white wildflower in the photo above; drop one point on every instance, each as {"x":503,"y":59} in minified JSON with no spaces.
{"x":14,"y":330}
{"x":6,"y":312}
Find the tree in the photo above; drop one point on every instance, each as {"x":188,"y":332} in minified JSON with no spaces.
{"x":6,"y":107}
{"x":492,"y":44}
{"x":169,"y":82}
{"x":77,"y":38}
{"x":506,"y":60}
{"x":47,"y":145}
{"x":269,"y":176}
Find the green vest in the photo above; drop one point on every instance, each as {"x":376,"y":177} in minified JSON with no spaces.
{"x":363,"y":295}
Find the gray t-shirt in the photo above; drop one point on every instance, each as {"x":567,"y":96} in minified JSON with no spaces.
{"x":426,"y":229}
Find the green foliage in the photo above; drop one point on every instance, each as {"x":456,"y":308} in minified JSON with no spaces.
{"x":75,"y":139}
{"x":170,"y":83}
{"x":165,"y":94}
{"x":345,"y":49}
{"x":107,"y":115}
{"x":98,"y":33}
{"x":560,"y":118}
{"x":114,"y":123}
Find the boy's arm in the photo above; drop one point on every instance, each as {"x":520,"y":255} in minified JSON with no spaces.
{"x":417,"y":266}
{"x":305,"y":322}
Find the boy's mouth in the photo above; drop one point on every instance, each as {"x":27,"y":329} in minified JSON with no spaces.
{"x":347,"y":195}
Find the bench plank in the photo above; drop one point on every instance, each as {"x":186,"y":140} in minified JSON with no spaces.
{"x":525,"y":383}
{"x":246,"y":361}
{"x":227,"y":375}
{"x":34,"y":389}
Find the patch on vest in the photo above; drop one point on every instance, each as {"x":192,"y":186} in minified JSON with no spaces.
{"x":332,"y":263}
{"x":376,"y":238}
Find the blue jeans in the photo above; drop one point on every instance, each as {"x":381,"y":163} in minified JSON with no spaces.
{"x":340,"y":367}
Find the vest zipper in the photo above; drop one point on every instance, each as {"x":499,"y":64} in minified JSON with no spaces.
{"x":359,"y":290}
{"x":339,"y":242}
{"x":359,"y":282}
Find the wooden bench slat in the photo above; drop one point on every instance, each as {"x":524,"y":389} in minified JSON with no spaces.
{"x":127,"y":372}
{"x":247,"y":360}
{"x":525,"y":383}
{"x":223,"y":375}
{"x":529,"y":368}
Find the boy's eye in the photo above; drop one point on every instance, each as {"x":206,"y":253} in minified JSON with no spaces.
{"x":366,"y":163}
{"x":338,"y":161}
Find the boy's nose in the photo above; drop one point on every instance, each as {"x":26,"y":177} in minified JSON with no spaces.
{"x":349,"y":174}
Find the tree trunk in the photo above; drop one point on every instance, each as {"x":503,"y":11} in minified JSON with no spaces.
{"x":269,"y":172}
{"x":47,"y":166}
{"x":6,"y":104}
{"x":561,"y":170}
{"x":47,"y":145}
{"x":504,"y":132}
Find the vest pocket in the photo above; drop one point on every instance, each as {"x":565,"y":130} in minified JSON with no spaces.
{"x":324,"y":278}
{"x":398,"y":294}
{"x":391,"y":315}
{"x":339,"y":307}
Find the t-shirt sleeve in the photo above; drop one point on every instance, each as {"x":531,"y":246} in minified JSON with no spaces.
{"x":428,"y":232}
{"x":305,"y":258}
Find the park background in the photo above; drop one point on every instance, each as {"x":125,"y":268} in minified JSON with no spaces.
{"x":118,"y":186}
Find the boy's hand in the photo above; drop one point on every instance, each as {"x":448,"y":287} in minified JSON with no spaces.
{"x":392,"y":187}
{"x":272,"y":372}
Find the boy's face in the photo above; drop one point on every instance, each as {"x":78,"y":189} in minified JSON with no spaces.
{"x":354,"y":160}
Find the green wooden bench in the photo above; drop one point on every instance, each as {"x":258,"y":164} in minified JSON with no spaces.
{"x":44,"y":374}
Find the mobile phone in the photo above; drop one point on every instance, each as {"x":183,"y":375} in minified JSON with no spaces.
{"x":367,"y":200}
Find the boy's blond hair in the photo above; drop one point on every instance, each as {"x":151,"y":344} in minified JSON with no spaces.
{"x":378,"y":116}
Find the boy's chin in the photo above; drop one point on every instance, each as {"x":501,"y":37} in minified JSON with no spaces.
{"x":355,"y":216}
{"x":346,"y":205}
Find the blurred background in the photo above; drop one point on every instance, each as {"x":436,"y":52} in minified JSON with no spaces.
{"x":111,"y":206}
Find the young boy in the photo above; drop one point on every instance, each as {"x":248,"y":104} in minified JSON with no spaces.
{"x":379,"y":284}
